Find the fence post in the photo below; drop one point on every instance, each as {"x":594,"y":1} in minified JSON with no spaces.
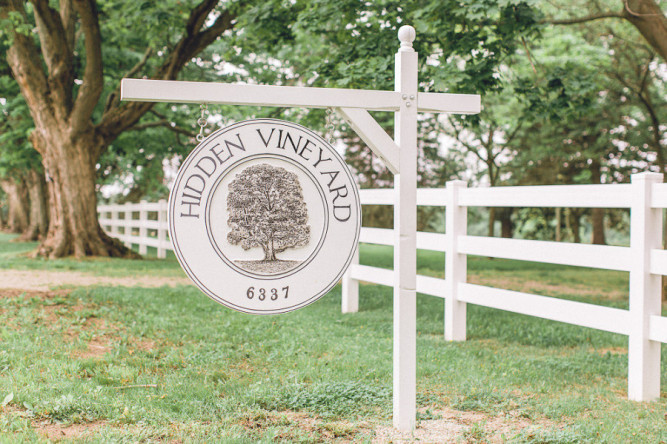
{"x":456,"y":264}
{"x":115,"y":217}
{"x":161,"y":228}
{"x":645,"y":290}
{"x":127,"y":224}
{"x":350,"y":296}
{"x":143,"y":232}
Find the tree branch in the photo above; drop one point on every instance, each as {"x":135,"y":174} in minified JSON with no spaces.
{"x":192,"y":44}
{"x":457,"y":136}
{"x":118,"y":118}
{"x":25,"y":62}
{"x":588,"y":18}
{"x":114,"y":97}
{"x":52,"y":38}
{"x":58,"y":55}
{"x":515,"y":131}
{"x":649,"y":19}
{"x":91,"y":88}
{"x":68,"y":19}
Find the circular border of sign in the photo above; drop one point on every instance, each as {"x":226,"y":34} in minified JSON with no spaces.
{"x":327,"y":205}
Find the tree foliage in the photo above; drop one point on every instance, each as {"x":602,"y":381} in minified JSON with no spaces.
{"x":267,"y":210}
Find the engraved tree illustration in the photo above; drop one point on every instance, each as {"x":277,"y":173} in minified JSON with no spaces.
{"x":267,"y":210}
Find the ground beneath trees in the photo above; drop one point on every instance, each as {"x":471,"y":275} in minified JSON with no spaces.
{"x":43,"y":280}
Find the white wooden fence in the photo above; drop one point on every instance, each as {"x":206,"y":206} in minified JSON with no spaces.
{"x":143,"y":224}
{"x":644,"y":259}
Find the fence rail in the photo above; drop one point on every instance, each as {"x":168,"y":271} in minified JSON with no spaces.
{"x":145,"y":224}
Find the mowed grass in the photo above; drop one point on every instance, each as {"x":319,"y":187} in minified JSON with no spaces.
{"x":119,"y":364}
{"x":16,"y":255}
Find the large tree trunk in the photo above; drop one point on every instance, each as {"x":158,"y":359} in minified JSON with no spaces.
{"x":73,"y":225}
{"x":39,"y":219}
{"x":17,"y":200}
{"x":63,"y":100}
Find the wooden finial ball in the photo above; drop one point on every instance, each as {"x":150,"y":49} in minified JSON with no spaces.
{"x":406,"y":35}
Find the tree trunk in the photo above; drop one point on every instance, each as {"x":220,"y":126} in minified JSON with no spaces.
{"x":575,"y":215}
{"x":650,"y":21}
{"x":73,"y":225}
{"x":506,"y":224}
{"x":17,"y":200}
{"x":492,"y":221}
{"x":598,"y":226}
{"x":2,"y":215}
{"x":597,"y":213}
{"x":39,"y":219}
{"x":269,"y":252}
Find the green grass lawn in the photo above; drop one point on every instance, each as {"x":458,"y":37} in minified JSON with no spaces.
{"x":121,"y":364}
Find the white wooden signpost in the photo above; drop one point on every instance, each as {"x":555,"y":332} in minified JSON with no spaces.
{"x":400,"y":156}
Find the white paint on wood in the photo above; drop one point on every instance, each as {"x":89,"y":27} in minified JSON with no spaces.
{"x":350,"y":290}
{"x":572,"y":196}
{"x":143,"y":232}
{"x":379,"y":236}
{"x":374,"y":135}
{"x":163,"y":229}
{"x":657,"y":328}
{"x":645,"y":290}
{"x":405,"y":242}
{"x":449,"y":103}
{"x":456,"y":262}
{"x":384,"y":236}
{"x":563,"y":253}
{"x":431,"y":286}
{"x":659,"y":195}
{"x":128,"y":224}
{"x":609,"y":319}
{"x":658,"y":261}
{"x":435,"y":197}
{"x":374,"y":275}
{"x":377,"y":196}
{"x":176,"y":91}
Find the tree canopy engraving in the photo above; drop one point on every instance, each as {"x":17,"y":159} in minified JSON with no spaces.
{"x":267,"y":210}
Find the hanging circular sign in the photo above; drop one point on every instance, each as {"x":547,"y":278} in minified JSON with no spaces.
{"x":264,"y":216}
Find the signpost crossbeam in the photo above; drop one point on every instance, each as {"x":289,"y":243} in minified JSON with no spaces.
{"x":174,"y":91}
